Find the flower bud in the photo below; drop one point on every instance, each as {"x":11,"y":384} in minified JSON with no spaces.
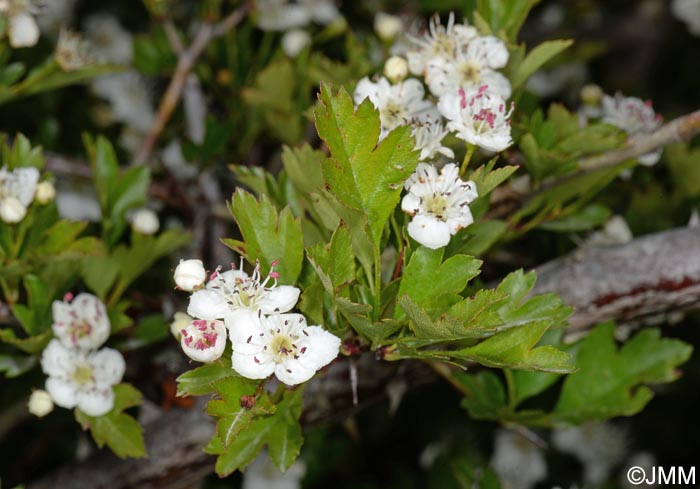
{"x":180,"y":321}
{"x":190,"y":274}
{"x":145,"y":221}
{"x":203,"y":341}
{"x":11,"y":210}
{"x":45,"y":193}
{"x":40,"y":403}
{"x":387,"y":26}
{"x":591,"y":94}
{"x":396,"y":69}
{"x":294,"y":42}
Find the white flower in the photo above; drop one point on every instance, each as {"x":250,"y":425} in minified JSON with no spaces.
{"x":82,"y":378}
{"x":17,"y":189}
{"x":282,"y":344}
{"x":53,"y":15}
{"x":439,"y":41}
{"x":145,"y":221}
{"x":40,"y":403}
{"x":71,"y":52}
{"x":262,"y":474}
{"x":45,"y":192}
{"x":470,"y":68}
{"x":232,"y":290}
{"x":396,"y":69}
{"x":635,"y":117}
{"x":321,"y":11}
{"x":280,"y":15}
{"x":429,"y":136}
{"x":438,"y":204}
{"x":294,"y":41}
{"x":598,"y":446}
{"x":202,"y":340}
{"x":109,"y":41}
{"x":82,"y":323}
{"x":478,"y":117}
{"x":387,"y":26}
{"x":519,"y":463}
{"x":689,"y":12}
{"x":190,"y":274}
{"x":398,"y":104}
{"x":22,"y":28}
{"x":129,"y":98}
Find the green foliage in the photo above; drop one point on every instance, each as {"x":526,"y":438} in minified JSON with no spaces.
{"x":537,"y":58}
{"x":116,"y":429}
{"x":361,"y":173}
{"x":267,"y":235}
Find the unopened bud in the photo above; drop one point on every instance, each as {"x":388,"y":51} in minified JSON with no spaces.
{"x":180,"y":322}
{"x":294,"y":42}
{"x":396,"y":69}
{"x":145,"y":221}
{"x":45,"y":193}
{"x":40,"y":403}
{"x":190,"y":274}
{"x":591,"y":94}
{"x":387,"y":26}
{"x":11,"y":210}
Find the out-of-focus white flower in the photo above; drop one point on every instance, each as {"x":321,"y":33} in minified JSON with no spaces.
{"x":294,"y":41}
{"x":439,"y":204}
{"x":22,"y":28}
{"x":688,"y":11}
{"x":563,"y":80}
{"x":109,"y":41}
{"x":396,"y":69}
{"x":321,"y":11}
{"x":429,"y":136}
{"x":282,"y":344}
{"x":54,"y":15}
{"x":17,"y":189}
{"x":190,"y":274}
{"x":77,"y":203}
{"x":470,"y":68}
{"x":175,"y":161}
{"x":598,"y":446}
{"x":280,"y":15}
{"x":71,"y":52}
{"x":40,"y":403}
{"x":635,"y":117}
{"x":202,"y":340}
{"x":234,"y":289}
{"x":519,"y":463}
{"x":82,"y":378}
{"x":399,"y":104}
{"x":45,"y":192}
{"x":387,"y":26}
{"x":439,"y":41}
{"x":616,"y":231}
{"x":82,"y":322}
{"x":479,"y":117}
{"x":145,"y":221}
{"x":129,"y":97}
{"x":262,"y":474}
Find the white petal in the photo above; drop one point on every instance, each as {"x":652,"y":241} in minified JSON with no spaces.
{"x":462,"y":221}
{"x":27,"y":179}
{"x":56,"y":359}
{"x":279,"y":299}
{"x":450,"y":106}
{"x":497,"y":83}
{"x":207,"y":304}
{"x":108,"y":366}
{"x":410,"y":203}
{"x":252,"y":366}
{"x":292,"y":372}
{"x":96,"y":402}
{"x":496,"y":53}
{"x":23,"y":30}
{"x":63,"y":392}
{"x":429,"y":231}
{"x":243,"y":323}
{"x":365,"y":89}
{"x":321,"y":347}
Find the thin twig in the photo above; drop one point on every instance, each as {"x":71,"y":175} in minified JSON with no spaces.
{"x":186,"y":61}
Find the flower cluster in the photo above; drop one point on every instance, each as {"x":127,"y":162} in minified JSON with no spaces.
{"x":467,"y":97}
{"x":254,"y":311}
{"x":22,"y":28}
{"x":634,"y":116}
{"x":80,"y":374}
{"x":17,"y":190}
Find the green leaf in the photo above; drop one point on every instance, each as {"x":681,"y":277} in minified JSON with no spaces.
{"x":200,"y":381}
{"x":31,"y":344}
{"x":119,"y":431}
{"x":281,"y":432}
{"x":335,"y":262}
{"x":447,"y":279}
{"x":16,"y":365}
{"x":536,"y":58}
{"x":504,"y":15}
{"x":303,"y":165}
{"x":267,"y":235}
{"x":35,"y":317}
{"x":22,"y":154}
{"x":234,"y":416}
{"x":151,"y":329}
{"x":486,"y":178}
{"x":613,"y":382}
{"x":361,"y":173}
{"x":589,"y":217}
{"x":485,"y":397}
{"x":476,"y":239}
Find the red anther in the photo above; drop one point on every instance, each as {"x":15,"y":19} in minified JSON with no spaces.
{"x":68,"y":296}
